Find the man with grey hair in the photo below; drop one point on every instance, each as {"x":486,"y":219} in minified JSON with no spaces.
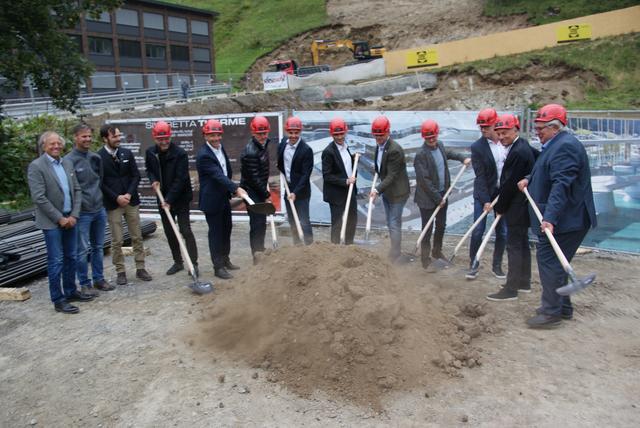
{"x":57,"y":197}
{"x":560,"y":184}
{"x":93,"y":217}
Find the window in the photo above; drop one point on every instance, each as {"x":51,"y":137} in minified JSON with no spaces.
{"x":103,"y":80}
{"x":153,"y":20}
{"x":127,"y":17}
{"x":179,"y":53}
{"x":103,"y":17}
{"x":100,"y":46}
{"x":129,"y":48}
{"x":156,"y":51}
{"x":77,"y":41}
{"x":201,"y":55}
{"x":177,"y":25}
{"x":132,"y":80}
{"x":200,"y":27}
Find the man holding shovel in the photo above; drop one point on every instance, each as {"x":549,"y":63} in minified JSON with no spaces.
{"x":295,"y":161}
{"x":512,"y":205}
{"x":337,"y":171}
{"x":560,"y":185}
{"x":432,"y":181}
{"x":216,"y":187}
{"x":167,"y":168}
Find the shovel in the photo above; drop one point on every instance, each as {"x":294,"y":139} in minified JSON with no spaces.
{"x":345,"y":214}
{"x":485,"y":240}
{"x":471,"y":229}
{"x":296,"y":219}
{"x":576,"y":283}
{"x":197,"y":286}
{"x":412,"y":256}
{"x":264,"y":208}
{"x":367,"y":229}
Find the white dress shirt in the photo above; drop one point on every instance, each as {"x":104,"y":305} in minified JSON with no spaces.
{"x":220,"y":156}
{"x":380,"y":153}
{"x":499,"y":153}
{"x":346,"y":158}
{"x":289,"y":151}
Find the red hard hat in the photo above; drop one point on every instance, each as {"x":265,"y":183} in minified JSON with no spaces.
{"x":212,"y":126}
{"x":430,"y":128}
{"x":507,"y":121}
{"x":380,"y":125}
{"x":550,"y":112}
{"x":337,"y":126}
{"x":260,"y":124}
{"x":293,"y":123}
{"x":487,"y":117}
{"x":161,"y":129}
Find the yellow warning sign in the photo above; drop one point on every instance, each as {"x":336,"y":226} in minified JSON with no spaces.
{"x":573,"y":33}
{"x":422,"y":58}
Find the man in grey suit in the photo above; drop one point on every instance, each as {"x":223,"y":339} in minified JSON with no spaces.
{"x":57,"y":197}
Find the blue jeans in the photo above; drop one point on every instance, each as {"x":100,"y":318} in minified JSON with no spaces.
{"x":393,"y":212}
{"x":91,"y":228}
{"x":302,"y":208}
{"x":61,"y":261}
{"x":476,"y":236}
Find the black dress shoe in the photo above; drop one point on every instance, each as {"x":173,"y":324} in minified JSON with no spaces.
{"x":66,"y":308}
{"x":143,"y":275}
{"x":177,"y":267}
{"x":230,"y":266}
{"x":222,"y":273}
{"x":122,"y":278}
{"x":79,"y":297}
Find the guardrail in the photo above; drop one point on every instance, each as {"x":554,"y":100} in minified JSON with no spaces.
{"x":89,"y":104}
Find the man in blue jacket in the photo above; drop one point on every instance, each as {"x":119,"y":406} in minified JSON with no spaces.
{"x":216,"y":188}
{"x":560,"y":184}
{"x":295,"y":161}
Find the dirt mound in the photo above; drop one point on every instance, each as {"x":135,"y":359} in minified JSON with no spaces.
{"x":343,"y":321}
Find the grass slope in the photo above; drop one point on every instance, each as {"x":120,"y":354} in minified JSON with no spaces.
{"x":546,"y":11}
{"x":614,"y":58}
{"x":247,"y":29}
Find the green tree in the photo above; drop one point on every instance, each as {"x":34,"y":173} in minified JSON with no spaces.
{"x":33,"y":45}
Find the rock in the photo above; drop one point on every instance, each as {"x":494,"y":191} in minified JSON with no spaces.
{"x":255,"y":375}
{"x":80,"y":370}
{"x":465,"y":418}
{"x":221,"y":405}
{"x":33,"y":422}
{"x":221,"y":378}
{"x":244,"y":390}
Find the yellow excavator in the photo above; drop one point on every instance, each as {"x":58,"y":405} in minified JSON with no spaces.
{"x":360,"y":49}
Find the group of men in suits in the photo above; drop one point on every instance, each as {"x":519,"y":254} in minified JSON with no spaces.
{"x":74,"y":197}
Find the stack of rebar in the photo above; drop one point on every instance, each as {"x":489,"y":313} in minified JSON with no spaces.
{"x":23,"y":253}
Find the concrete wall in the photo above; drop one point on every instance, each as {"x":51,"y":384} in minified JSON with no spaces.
{"x":613,"y":23}
{"x":363,"y":71}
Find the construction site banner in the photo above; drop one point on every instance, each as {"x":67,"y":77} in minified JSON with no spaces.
{"x":274,"y":80}
{"x":187,"y":134}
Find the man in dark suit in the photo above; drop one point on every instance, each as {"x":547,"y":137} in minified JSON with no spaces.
{"x":168,"y":170}
{"x":216,"y":188}
{"x":487,"y":158}
{"x":295,"y":161}
{"x":512,"y":204}
{"x":432,"y":181}
{"x":57,"y":197}
{"x":391,"y":167}
{"x":560,"y":184}
{"x":121,"y":199}
{"x":337,"y":170}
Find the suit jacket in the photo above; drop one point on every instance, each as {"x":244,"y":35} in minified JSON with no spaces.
{"x":560,"y":184}
{"x":427,"y":181}
{"x":47,"y":195}
{"x":216,"y":188}
{"x":485,"y":185}
{"x":394,"y":182}
{"x":177,"y":190}
{"x":334,"y":176}
{"x":120,"y":176}
{"x":301,"y":167}
{"x":512,"y":202}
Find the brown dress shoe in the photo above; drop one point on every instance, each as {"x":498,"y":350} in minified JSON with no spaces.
{"x":143,"y":275}
{"x":103,"y":285}
{"x":122,"y":278}
{"x":89,"y":291}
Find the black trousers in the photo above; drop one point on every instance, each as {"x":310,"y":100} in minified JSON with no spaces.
{"x":337,"y":211}
{"x":519,"y":258}
{"x":440,"y":226}
{"x":184,"y":224}
{"x":220,"y":225}
{"x":257,"y":226}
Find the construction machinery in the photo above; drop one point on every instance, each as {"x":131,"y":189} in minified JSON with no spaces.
{"x":360,"y":49}
{"x":289,"y":66}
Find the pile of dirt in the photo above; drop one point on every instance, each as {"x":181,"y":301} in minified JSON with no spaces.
{"x":343,"y":321}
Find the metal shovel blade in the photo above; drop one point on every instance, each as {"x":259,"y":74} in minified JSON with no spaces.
{"x":201,"y":288}
{"x":264,"y":208}
{"x":577,"y":284}
{"x":441,"y":264}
